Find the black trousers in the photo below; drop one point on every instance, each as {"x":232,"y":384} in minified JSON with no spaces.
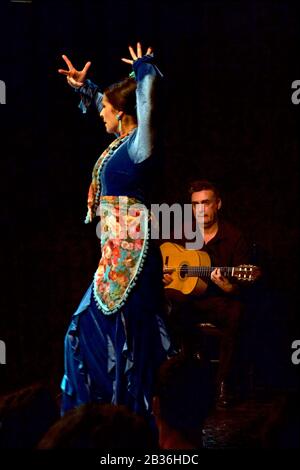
{"x":225,"y":312}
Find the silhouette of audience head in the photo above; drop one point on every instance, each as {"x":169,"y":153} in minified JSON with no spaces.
{"x":281,"y":430}
{"x":99,"y":426}
{"x":183,"y":399}
{"x":25,"y":416}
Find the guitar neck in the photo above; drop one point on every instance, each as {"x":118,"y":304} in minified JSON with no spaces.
{"x":205,"y":271}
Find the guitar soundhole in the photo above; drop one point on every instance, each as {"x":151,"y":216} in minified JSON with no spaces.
{"x":183,"y":271}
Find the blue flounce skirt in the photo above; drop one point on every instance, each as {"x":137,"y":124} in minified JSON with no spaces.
{"x":114,"y":358}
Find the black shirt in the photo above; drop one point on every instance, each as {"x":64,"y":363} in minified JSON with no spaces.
{"x":227,"y":248}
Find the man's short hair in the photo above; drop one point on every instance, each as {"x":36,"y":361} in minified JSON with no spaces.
{"x":202,"y":185}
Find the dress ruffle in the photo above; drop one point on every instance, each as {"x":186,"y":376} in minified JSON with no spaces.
{"x":112,"y":358}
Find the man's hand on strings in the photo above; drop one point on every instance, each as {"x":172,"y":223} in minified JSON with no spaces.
{"x":167,"y":279}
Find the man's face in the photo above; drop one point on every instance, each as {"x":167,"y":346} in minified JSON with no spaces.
{"x":207,"y":205}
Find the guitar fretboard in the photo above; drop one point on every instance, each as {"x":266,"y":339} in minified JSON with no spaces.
{"x":245,"y":272}
{"x":205,"y":271}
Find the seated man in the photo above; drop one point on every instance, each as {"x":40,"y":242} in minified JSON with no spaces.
{"x":221,"y":303}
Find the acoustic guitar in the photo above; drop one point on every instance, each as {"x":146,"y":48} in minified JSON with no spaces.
{"x":191,"y":269}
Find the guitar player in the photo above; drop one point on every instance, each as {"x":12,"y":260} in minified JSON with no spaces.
{"x":221,"y":304}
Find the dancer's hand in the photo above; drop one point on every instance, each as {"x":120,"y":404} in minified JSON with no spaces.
{"x":136,"y":55}
{"x":75,"y":78}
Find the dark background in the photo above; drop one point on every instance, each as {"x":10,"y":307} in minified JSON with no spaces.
{"x":227,"y":115}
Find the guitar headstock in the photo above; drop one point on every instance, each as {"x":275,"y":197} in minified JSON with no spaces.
{"x":246,"y":272}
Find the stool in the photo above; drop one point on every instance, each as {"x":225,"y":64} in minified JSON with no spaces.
{"x":209,"y":341}
{"x":209,"y":348}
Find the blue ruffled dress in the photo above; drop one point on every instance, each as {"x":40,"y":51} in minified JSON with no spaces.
{"x":112,"y":358}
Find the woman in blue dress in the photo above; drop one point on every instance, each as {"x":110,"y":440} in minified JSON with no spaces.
{"x":117,"y":337}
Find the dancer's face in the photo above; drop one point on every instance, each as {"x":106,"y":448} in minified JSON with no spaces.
{"x":109,"y":116}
